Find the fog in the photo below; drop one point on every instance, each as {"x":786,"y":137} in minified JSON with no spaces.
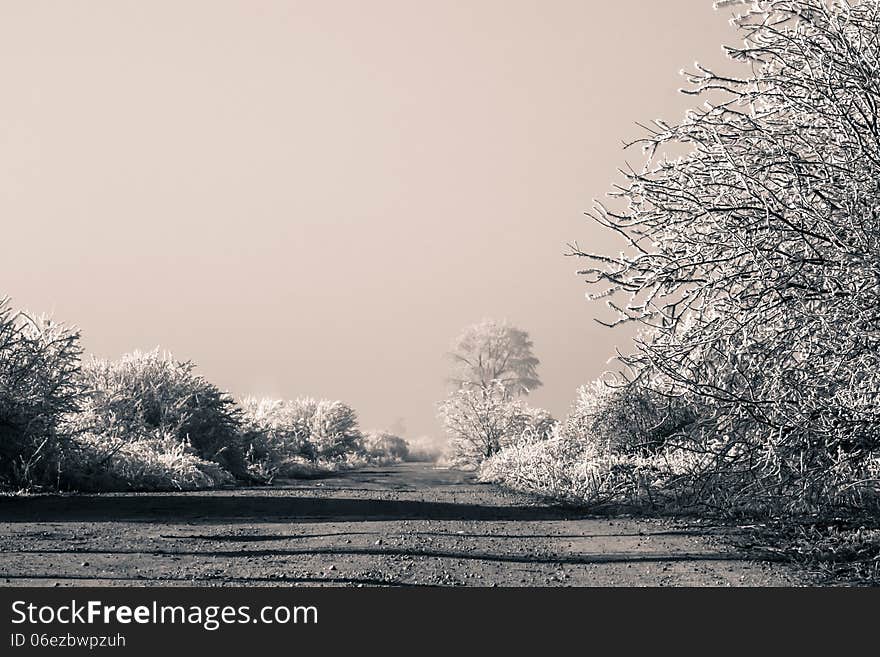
{"x":313,"y":198}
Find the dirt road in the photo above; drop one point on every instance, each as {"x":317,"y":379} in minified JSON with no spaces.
{"x":409,"y":524}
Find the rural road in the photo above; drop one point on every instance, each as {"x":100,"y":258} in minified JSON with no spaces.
{"x":408,"y":524}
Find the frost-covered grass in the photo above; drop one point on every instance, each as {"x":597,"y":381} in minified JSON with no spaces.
{"x":650,"y":451}
{"x":574,"y":471}
{"x":105,"y":463}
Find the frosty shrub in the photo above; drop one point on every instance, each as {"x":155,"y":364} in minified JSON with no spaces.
{"x":590,"y":473}
{"x":145,"y":395}
{"x":288,"y":438}
{"x":480,"y":421}
{"x":277,"y":435}
{"x":535,"y":424}
{"x":615,"y":450}
{"x":610,"y":449}
{"x":334,"y":428}
{"x":569,"y":470}
{"x":385,"y":447}
{"x":753,"y":260}
{"x":626,"y":418}
{"x":108,"y":463}
{"x":39,"y":360}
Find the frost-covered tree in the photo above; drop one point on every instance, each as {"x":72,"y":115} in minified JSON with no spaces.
{"x":480,"y":421}
{"x":753,"y":259}
{"x":493,"y":351}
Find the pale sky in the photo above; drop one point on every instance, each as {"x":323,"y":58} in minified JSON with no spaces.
{"x":314,"y":197}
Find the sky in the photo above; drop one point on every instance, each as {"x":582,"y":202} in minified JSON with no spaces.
{"x":313,"y":198}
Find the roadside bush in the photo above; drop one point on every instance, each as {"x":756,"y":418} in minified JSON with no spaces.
{"x":752,"y":260}
{"x":628,"y":418}
{"x":573,"y":470}
{"x":277,"y":435}
{"x":39,"y":361}
{"x":334,"y":428}
{"x":302,"y":436}
{"x":149,"y":422}
{"x":110,"y":463}
{"x":534,"y":425}
{"x":614,"y":447}
{"x":144,"y":395}
{"x":563,"y":469}
{"x":641,"y":451}
{"x":480,"y":421}
{"x":385,"y":447}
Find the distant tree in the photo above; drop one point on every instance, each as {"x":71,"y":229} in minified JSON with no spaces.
{"x":385,"y":445}
{"x":493,"y":351}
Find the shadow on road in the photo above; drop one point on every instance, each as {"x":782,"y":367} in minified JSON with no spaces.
{"x":566,"y":559}
{"x":250,"y":509}
{"x":335,"y":581}
{"x":260,"y":538}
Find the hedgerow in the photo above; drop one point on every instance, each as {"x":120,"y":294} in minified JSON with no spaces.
{"x":149,"y":422}
{"x":39,"y":362}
